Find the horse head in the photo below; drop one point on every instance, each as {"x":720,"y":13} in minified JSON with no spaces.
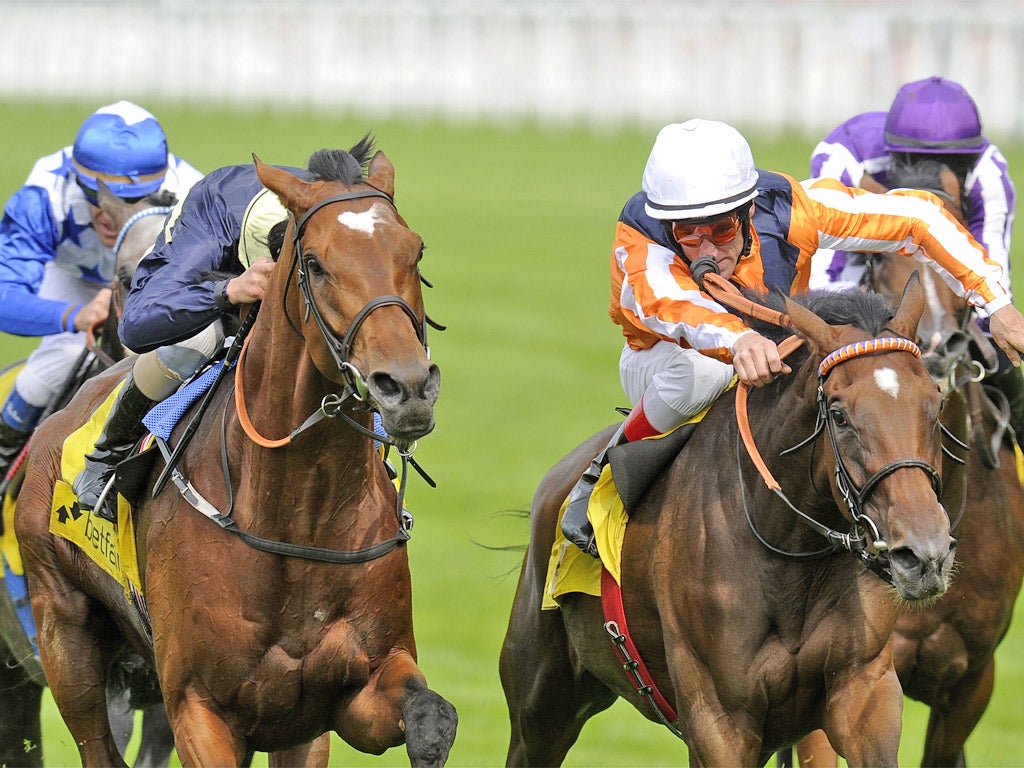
{"x":880,"y":410}
{"x":943,"y":330}
{"x":353,"y":266}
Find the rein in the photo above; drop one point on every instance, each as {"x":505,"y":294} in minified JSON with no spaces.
{"x":855,"y":541}
{"x":331,"y":406}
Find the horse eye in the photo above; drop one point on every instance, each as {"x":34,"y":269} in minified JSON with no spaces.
{"x":314,"y":267}
{"x":838,"y":417}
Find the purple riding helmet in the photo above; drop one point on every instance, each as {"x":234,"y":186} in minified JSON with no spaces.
{"x":933,"y":116}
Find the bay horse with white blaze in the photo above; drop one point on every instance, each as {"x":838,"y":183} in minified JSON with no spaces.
{"x":291,"y":616}
{"x":755,"y":629}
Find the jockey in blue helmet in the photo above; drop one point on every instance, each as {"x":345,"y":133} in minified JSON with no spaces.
{"x":55,"y":250}
{"x":125,"y":147}
{"x":56,"y":263}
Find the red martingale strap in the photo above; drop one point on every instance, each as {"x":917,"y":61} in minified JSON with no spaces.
{"x":626,"y":650}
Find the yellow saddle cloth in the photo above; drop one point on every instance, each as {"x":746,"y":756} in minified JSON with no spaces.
{"x":110,"y":546}
{"x":572,"y":570}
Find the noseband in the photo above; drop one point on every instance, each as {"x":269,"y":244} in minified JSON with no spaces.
{"x":341,"y":348}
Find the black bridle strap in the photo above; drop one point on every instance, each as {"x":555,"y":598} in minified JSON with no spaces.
{"x":340,"y":348}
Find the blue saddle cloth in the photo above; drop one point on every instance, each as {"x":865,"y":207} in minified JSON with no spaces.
{"x":165,"y":414}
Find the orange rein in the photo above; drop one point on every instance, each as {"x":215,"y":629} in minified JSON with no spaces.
{"x":722,"y":290}
{"x":243,"y":412}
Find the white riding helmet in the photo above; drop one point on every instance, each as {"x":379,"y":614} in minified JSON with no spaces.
{"x":262,"y":213}
{"x":698,"y":169}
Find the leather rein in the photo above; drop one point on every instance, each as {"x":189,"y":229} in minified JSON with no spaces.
{"x":355,"y":389}
{"x":856,"y":540}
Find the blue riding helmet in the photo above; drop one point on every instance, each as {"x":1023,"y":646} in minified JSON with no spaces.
{"x":124,"y":145}
{"x":933,"y":116}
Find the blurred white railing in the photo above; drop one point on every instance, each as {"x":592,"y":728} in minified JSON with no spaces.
{"x":775,"y":64}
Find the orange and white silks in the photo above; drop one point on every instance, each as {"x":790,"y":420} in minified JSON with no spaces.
{"x":654,"y":297}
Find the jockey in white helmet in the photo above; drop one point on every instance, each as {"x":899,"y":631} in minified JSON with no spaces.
{"x":704,"y":205}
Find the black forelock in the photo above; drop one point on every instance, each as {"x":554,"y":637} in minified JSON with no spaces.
{"x":339,"y":165}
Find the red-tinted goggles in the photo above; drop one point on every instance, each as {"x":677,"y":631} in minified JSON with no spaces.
{"x":718,"y":231}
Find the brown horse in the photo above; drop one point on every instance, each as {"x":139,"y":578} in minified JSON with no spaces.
{"x":21,"y":676}
{"x":284,"y":612}
{"x":754,"y":629}
{"x":944,"y":652}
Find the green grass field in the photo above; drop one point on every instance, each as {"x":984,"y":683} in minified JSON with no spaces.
{"x":518,"y":221}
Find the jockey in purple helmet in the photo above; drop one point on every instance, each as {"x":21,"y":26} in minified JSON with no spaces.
{"x":934,"y":117}
{"x":55,"y":249}
{"x":937,"y":118}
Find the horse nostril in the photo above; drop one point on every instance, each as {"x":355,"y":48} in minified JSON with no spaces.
{"x":905,"y":558}
{"x":384,"y":387}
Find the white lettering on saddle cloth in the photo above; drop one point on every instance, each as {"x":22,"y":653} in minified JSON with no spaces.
{"x":365,"y":222}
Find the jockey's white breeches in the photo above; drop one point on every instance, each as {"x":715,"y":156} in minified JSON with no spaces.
{"x":160,"y":372}
{"x":674,"y":382}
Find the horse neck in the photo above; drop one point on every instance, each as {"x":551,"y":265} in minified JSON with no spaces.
{"x":782,"y":416}
{"x":283,"y":387}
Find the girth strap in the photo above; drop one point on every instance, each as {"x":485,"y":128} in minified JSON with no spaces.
{"x":626,"y":650}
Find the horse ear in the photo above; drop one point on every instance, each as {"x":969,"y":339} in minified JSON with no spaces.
{"x":821,"y":337}
{"x":382,"y":174}
{"x":292,"y":191}
{"x":908,"y":313}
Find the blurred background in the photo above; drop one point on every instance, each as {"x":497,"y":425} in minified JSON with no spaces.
{"x":779,"y":64}
{"x":518,"y":128}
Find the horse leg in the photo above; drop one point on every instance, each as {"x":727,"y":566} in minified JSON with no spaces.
{"x":201,"y":736}
{"x":157,"y":742}
{"x":73,"y":652}
{"x":815,"y":751}
{"x":74,"y":663}
{"x":122,"y":717}
{"x":549,"y":699}
{"x":395,"y":706}
{"x":950,"y":724}
{"x":864,"y":715}
{"x":312,"y":755}
{"x":21,"y":739}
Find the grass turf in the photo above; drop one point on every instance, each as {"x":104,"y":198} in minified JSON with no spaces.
{"x":518,"y":220}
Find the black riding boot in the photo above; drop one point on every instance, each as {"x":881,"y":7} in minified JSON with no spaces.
{"x":11,"y":443}
{"x":1010,"y":382}
{"x":122,"y":431}
{"x":575,"y":525}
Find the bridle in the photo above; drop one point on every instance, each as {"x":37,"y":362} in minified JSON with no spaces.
{"x":341,"y":348}
{"x":856,"y":541}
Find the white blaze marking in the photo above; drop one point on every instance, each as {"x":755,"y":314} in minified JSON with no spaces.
{"x":365,"y":222}
{"x":888,"y":382}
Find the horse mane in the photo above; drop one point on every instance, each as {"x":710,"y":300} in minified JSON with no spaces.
{"x":339,"y":165}
{"x":162,"y":198}
{"x":918,"y":173}
{"x":867,"y":311}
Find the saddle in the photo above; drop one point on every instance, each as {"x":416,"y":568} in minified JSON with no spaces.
{"x":636,"y":465}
